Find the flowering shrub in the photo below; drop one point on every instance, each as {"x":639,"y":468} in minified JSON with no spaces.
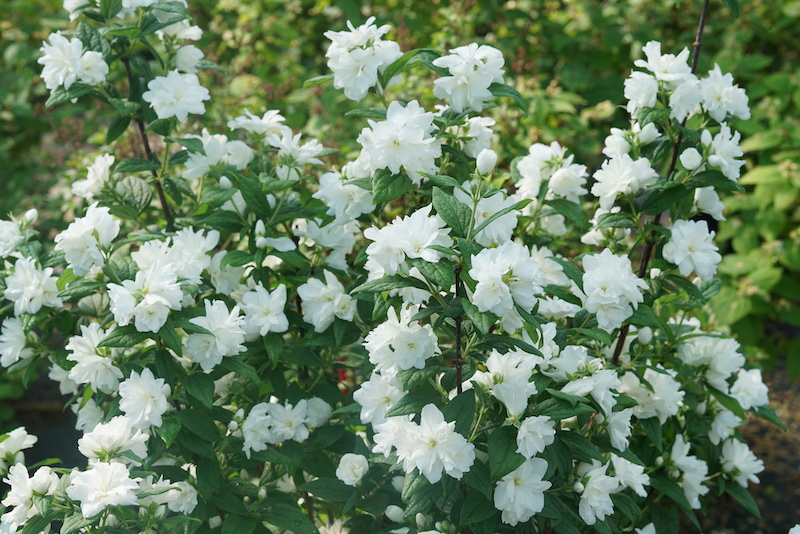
{"x":403,"y":344}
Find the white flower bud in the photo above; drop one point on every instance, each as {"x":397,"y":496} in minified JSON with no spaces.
{"x":233,"y":426}
{"x":659,"y":461}
{"x":262,"y":493}
{"x":487,"y":158}
{"x":421,"y":519}
{"x":394,"y":513}
{"x":31,"y":215}
{"x":225,"y":183}
{"x":397,"y":483}
{"x":352,"y":468}
{"x":578,"y":487}
{"x":645,"y":335}
{"x":691,"y":158}
{"x":655,"y":273}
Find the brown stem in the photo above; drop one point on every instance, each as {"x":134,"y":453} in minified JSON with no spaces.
{"x":148,"y":151}
{"x":309,"y":506}
{"x":650,"y":242}
{"x":459,"y":361}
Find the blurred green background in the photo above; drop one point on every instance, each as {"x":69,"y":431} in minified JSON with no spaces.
{"x":567,"y":58}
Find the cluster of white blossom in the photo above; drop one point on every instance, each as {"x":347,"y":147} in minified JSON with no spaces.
{"x":271,"y":423}
{"x":472,"y":70}
{"x":66,"y":62}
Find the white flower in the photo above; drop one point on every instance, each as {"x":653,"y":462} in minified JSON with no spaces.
{"x":187,"y":57}
{"x":102,"y":486}
{"x":507,"y":377}
{"x":641,"y":90}
{"x":618,"y":425}
{"x":662,"y":399}
{"x":356,"y":56}
{"x":596,"y":496}
{"x":143,"y":398}
{"x":749,"y":389}
{"x":92,"y":68}
{"x":89,"y":415}
{"x":694,"y":471}
{"x":376,"y":396}
{"x":22,"y":490}
{"x":288,"y":421}
{"x":724,"y":149}
{"x":706,"y":200}
{"x":478,"y":135}
{"x":264,"y":311}
{"x":684,"y":99}
{"x":345,"y":201}
{"x":535,"y":433}
{"x":622,"y":175}
{"x":399,"y":343}
{"x":176,"y":95}
{"x":472,"y":69}
{"x":95,"y":366}
{"x":721,"y":98}
{"x":10,"y":237}
{"x":226,"y":338}
{"x":61,"y":61}
{"x":31,"y":288}
{"x":322,"y":302}
{"x":612,"y":290}
{"x":292,"y":155}
{"x":147,"y":298}
{"x":97,"y":176}
{"x":256,"y":429}
{"x":719,"y":358}
{"x":13,"y":341}
{"x":434,"y":446}
{"x":630,"y":475}
{"x":271,"y":123}
{"x":401,"y":142}
{"x":200,"y":164}
{"x":506,"y":276}
{"x":520,"y":494}
{"x":599,"y":385}
{"x":691,"y":158}
{"x":112,"y":439}
{"x":226,"y":279}
{"x":691,"y":248}
{"x":667,"y":67}
{"x":498,"y":231}
{"x":352,"y":468}
{"x":85,"y":240}
{"x":739,"y":462}
{"x":317,"y":412}
{"x":182,"y":500}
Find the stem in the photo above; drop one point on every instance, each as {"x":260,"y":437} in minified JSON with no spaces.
{"x":149,"y":152}
{"x":650,"y":242}
{"x":459,"y":361}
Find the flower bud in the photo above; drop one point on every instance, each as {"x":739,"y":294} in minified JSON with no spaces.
{"x":655,"y":273}
{"x":31,"y":215}
{"x":487,"y":158}
{"x":225,"y":183}
{"x":262,"y":493}
{"x":421,"y":519}
{"x":691,"y":158}
{"x":397,"y":482}
{"x":645,"y":335}
{"x":659,"y":461}
{"x":394,"y":513}
{"x":578,"y":487}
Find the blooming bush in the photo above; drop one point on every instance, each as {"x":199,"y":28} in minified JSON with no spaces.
{"x":407,"y":343}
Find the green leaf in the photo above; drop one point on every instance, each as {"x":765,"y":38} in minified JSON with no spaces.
{"x":501,"y":89}
{"x":412,"y":378}
{"x":135,"y":190}
{"x":171,"y":338}
{"x":288,"y":517}
{"x":441,"y":273}
{"x":124,"y":337}
{"x":616,"y":220}
{"x":200,"y":386}
{"x":572,"y":272}
{"x":200,"y":423}
{"x":644,"y":316}
{"x":573,"y":212}
{"x":388,"y":283}
{"x":419,"y":493}
{"x":255,"y":198}
{"x":80,"y":288}
{"x":236,"y":365}
{"x":39,"y":523}
{"x":476,"y":508}
{"x":648,"y":115}
{"x":453,"y":212}
{"x":110,"y":8}
{"x":504,"y":457}
{"x":426,"y":56}
{"x":562,"y":293}
{"x":328,"y":488}
{"x":461,"y":410}
{"x":61,"y":95}
{"x":124,"y":107}
{"x":743,"y":497}
{"x":717,"y":180}
{"x":594,"y":333}
{"x":660,"y":200}
{"x":685,"y":285}
{"x":371,"y":113}
{"x":317,"y":80}
{"x":135,"y":165}
{"x":652,"y":427}
{"x":767,"y":412}
{"x":215,"y":196}
{"x":663,"y":484}
{"x":581,"y":447}
{"x":387,"y":186}
{"x":413,"y":402}
{"x":192,"y":144}
{"x":494,"y":216}
{"x":727,"y":401}
{"x":238,"y":524}
{"x":76,"y":522}
{"x":483,"y":321}
{"x":733,"y":5}
{"x":236,"y":258}
{"x":170,"y":426}
{"x":117,"y":128}
{"x":160,"y":127}
{"x":93,"y":41}
{"x":404,"y":62}
{"x":479,"y":479}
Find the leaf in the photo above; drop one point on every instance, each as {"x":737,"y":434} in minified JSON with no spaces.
{"x":727,"y":401}
{"x":652,"y":427}
{"x":215,"y":196}
{"x":117,"y":128}
{"x":200,"y":386}
{"x":388,"y":283}
{"x":170,"y":426}
{"x":743,"y":497}
{"x":238,"y":524}
{"x":501,"y":89}
{"x":236,"y":258}
{"x":670,"y":488}
{"x":200,"y":423}
{"x":476,"y":508}
{"x":562,"y":293}
{"x":644,"y":316}
{"x":135,"y":165}
{"x":80,"y":288}
{"x":503,"y":457}
{"x":494,"y":216}
{"x":192,"y":144}
{"x":717,"y":180}
{"x":441,"y":273}
{"x":387,"y":186}
{"x":582,"y":449}
{"x":404,"y":63}
{"x":76,"y":522}
{"x":594,"y":333}
{"x":685,"y":285}
{"x":660,"y":200}
{"x":40,"y":523}
{"x":767,"y":412}
{"x":648,"y":115}
{"x":371,"y":113}
{"x":453,"y":212}
{"x":573,"y":212}
{"x":483,"y":321}
{"x":136,"y":190}
{"x":413,"y":402}
{"x":616,"y":220}
{"x":317,"y":80}
{"x":330,"y":489}
{"x":61,"y":95}
{"x":412,"y":378}
{"x":171,"y":338}
{"x":124,"y":337}
{"x":572,"y":272}
{"x":479,"y":479}
{"x":733,"y":5}
{"x":288,"y":517}
{"x":419,"y":493}
{"x":110,"y":8}
{"x":461,"y":410}
{"x":236,"y":365}
{"x":255,"y":198}
{"x":426,"y":56}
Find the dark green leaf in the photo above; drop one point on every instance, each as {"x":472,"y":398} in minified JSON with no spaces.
{"x":200,"y":423}
{"x":660,"y":200}
{"x":685,"y":285}
{"x":743,"y":497}
{"x":582,"y":449}
{"x":644,"y":316}
{"x":476,"y":508}
{"x":117,"y":128}
{"x":371,"y":113}
{"x":453,"y":212}
{"x":501,"y":89}
{"x":200,"y":386}
{"x":288,"y":517}
{"x":441,"y":273}
{"x":387,"y":186}
{"x":404,"y":63}
{"x":110,"y":8}
{"x":135,"y":165}
{"x":236,"y":258}
{"x":504,"y":457}
{"x":483,"y":321}
{"x":124,"y":337}
{"x":80,"y":288}
{"x":328,"y":488}
{"x":573,"y":212}
{"x":648,"y":115}
{"x":215,"y":196}
{"x":411,"y":378}
{"x":767,"y":412}
{"x":572,"y":272}
{"x":171,"y":338}
{"x":479,"y":479}
{"x":413,"y":402}
{"x":76,"y":522}
{"x":616,"y":220}
{"x":662,"y":483}
{"x":235,"y":365}
{"x":387,"y":283}
{"x":461,"y":410}
{"x":419,"y":493}
{"x":562,"y":293}
{"x":238,"y":524}
{"x":61,"y":95}
{"x":255,"y":198}
{"x":494,"y":216}
{"x":594,"y":333}
{"x":170,"y":426}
